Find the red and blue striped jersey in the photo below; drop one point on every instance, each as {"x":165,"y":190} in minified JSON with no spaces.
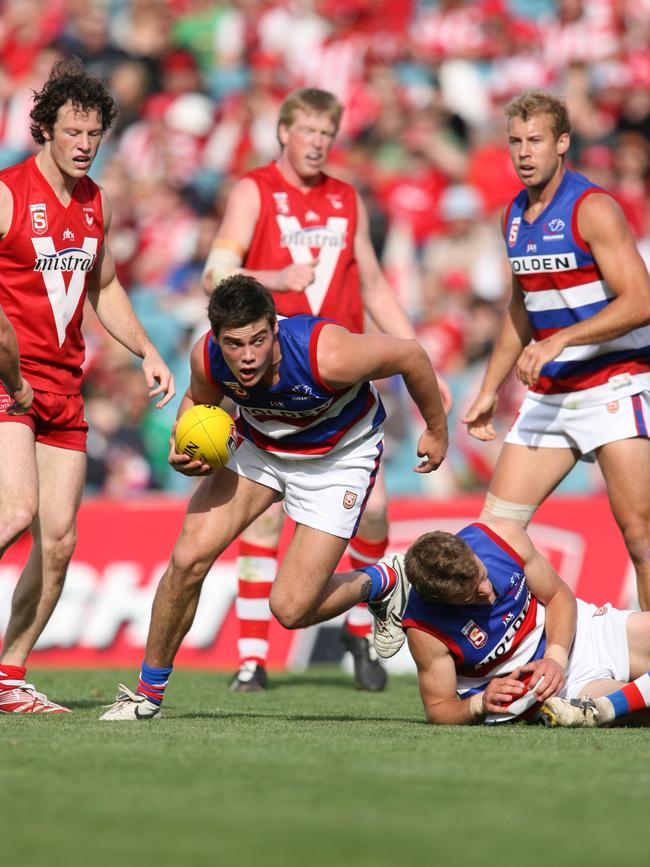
{"x":485,"y":640}
{"x":563,"y":285}
{"x":300,"y":416}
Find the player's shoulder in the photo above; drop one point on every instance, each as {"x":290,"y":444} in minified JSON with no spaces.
{"x":333,"y":186}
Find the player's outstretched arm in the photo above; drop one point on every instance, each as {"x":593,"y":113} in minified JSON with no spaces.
{"x":15,"y":385}
{"x":345,"y":359}
{"x":513,"y":335}
{"x":114,"y":310}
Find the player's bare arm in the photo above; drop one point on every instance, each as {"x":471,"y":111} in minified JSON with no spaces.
{"x":438,"y":685}
{"x":345,"y":359}
{"x":15,"y":385}
{"x":114,"y":310}
{"x":200,"y":390}
{"x":605,"y":230}
{"x":233,"y":240}
{"x":12,"y":379}
{"x":514,"y":334}
{"x":561,"y":608}
{"x":379,"y":299}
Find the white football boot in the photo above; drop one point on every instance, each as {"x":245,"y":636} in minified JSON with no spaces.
{"x":130,"y":705}
{"x":389,"y":635}
{"x":570,"y":713}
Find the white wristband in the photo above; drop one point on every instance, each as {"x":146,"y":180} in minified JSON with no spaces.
{"x":476,"y":704}
{"x":558,"y":654}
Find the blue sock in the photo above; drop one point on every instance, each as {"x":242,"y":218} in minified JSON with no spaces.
{"x":153,"y":681}
{"x":383,"y":580}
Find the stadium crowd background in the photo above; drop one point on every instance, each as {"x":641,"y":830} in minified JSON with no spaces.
{"x":199,"y":85}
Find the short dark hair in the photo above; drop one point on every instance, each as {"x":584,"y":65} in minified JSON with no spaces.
{"x":69,"y":81}
{"x":441,"y":567}
{"x":237,"y":301}
{"x":534,"y":102}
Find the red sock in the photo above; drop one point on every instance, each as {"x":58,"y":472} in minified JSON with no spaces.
{"x":12,"y":676}
{"x":256,"y":569}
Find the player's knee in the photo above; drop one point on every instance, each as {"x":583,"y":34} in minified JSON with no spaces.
{"x":636,"y":533}
{"x":57,"y":552}
{"x":12,"y":526}
{"x":287,"y":611}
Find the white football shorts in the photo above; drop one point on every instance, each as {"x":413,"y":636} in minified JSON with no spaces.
{"x":328,"y":492}
{"x":546,"y":425}
{"x":600,"y":648}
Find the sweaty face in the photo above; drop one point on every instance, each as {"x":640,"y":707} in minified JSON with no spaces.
{"x":74,"y":140}
{"x":306,"y":143}
{"x":248,"y":352}
{"x":535,"y":152}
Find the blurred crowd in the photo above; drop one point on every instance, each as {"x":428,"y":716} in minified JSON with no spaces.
{"x":424,"y":84}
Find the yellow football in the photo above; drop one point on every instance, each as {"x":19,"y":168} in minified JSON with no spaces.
{"x":206,"y":433}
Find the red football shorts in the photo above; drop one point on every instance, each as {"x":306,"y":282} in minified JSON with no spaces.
{"x":56,"y":419}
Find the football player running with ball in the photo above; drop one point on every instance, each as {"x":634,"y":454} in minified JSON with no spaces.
{"x":304,"y":235}
{"x":312,"y":428}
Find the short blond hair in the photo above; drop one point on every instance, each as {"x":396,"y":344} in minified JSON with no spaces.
{"x":534,"y":102}
{"x":313,"y":101}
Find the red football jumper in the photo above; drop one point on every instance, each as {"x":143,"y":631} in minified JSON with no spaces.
{"x":297,"y":227}
{"x":46,"y":260}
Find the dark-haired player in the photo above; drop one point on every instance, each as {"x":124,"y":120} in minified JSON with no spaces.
{"x":312,"y":428}
{"x":304,"y":235}
{"x":53,"y":253}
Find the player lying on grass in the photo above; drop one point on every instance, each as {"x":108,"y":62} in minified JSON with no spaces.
{"x":487,"y":614}
{"x":312,"y":427}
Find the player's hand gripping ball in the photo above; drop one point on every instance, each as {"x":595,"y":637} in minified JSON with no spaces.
{"x":206,"y":433}
{"x":523,"y":707}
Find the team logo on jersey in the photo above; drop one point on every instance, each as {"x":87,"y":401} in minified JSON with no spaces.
{"x":349,"y":499}
{"x":474,"y":634}
{"x":68,"y":235}
{"x":38,"y":214}
{"x":514,"y":231}
{"x":89,"y":217}
{"x":236,"y":388}
{"x":281,"y":203}
{"x":335,"y":202}
{"x":613,"y":406}
{"x":600,"y":611}
{"x":554,"y":229}
{"x":5,"y":402}
{"x":312,"y":217}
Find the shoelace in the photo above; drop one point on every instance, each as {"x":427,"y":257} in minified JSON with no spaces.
{"x":123,"y":696}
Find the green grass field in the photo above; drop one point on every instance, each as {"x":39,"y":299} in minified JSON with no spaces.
{"x":311,"y":773}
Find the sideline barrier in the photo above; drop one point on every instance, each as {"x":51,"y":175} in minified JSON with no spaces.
{"x":123,"y":547}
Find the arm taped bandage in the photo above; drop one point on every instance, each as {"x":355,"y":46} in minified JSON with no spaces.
{"x":223,"y":261}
